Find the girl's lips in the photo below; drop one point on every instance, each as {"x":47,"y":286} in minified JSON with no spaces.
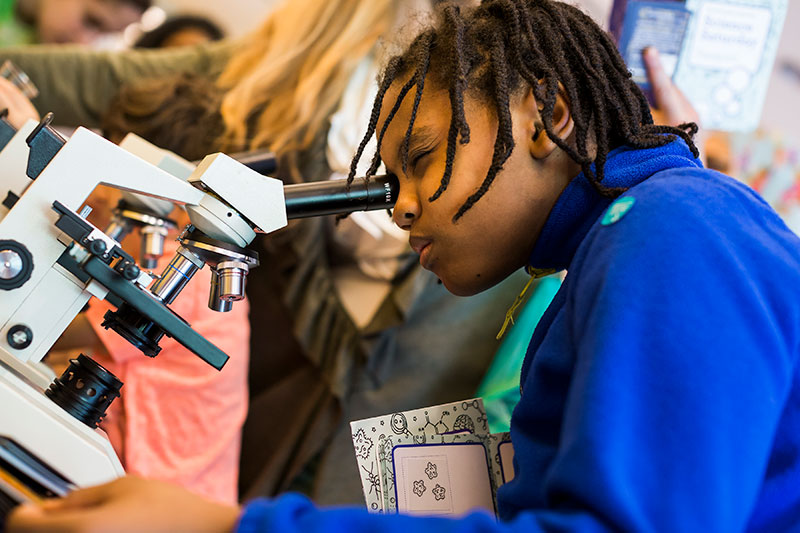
{"x":424,"y":255}
{"x":422,"y":246}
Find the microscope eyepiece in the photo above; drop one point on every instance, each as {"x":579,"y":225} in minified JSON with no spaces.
{"x":334,"y":197}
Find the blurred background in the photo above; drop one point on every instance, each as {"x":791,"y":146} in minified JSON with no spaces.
{"x":238,"y":17}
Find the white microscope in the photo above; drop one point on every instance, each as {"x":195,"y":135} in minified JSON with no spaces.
{"x":52,"y":260}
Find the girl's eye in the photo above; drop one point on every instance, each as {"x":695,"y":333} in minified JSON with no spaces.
{"x":416,"y":158}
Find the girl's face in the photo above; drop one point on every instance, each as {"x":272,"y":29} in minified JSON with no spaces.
{"x":82,"y":21}
{"x":496,"y":236}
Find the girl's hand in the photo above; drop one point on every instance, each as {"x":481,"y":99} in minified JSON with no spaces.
{"x":127,"y":504}
{"x":20,"y":109}
{"x":672,"y":106}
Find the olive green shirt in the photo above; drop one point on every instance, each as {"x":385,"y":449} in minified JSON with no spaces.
{"x":77,"y":84}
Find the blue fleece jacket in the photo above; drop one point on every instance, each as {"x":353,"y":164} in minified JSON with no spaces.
{"x":660,"y":391}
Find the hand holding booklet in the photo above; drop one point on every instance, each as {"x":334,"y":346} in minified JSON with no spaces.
{"x":438,"y":460}
{"x":719,"y":52}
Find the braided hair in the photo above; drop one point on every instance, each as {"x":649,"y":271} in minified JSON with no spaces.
{"x":492,"y":50}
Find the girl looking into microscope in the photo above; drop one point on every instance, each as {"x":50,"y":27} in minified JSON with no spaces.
{"x":300,"y":86}
{"x":661,"y":388}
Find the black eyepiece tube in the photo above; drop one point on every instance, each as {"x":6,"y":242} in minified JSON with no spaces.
{"x":333,"y":198}
{"x":262,"y":162}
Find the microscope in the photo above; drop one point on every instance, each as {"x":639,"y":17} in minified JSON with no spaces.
{"x":53,"y":260}
{"x":150,"y":215}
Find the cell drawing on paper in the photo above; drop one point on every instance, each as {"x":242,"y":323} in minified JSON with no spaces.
{"x":419,"y":488}
{"x":438,"y":492}
{"x":362,"y":443}
{"x":385,"y":448}
{"x":430,"y":470}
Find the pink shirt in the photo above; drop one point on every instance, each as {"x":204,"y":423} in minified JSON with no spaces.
{"x":179,"y":419}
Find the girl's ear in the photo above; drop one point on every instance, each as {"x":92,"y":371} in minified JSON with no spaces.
{"x":539,"y":144}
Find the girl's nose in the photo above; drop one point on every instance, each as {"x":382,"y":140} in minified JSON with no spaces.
{"x":407,"y":208}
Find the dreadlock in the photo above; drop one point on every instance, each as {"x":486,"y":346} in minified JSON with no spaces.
{"x":495,"y":48}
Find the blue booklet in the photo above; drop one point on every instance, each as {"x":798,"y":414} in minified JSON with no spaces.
{"x":719,"y":52}
{"x":658,"y":24}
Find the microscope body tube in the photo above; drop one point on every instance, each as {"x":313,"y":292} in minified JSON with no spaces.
{"x":333,"y":197}
{"x":302,"y":200}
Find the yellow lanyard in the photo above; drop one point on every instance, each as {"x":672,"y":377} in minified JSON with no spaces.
{"x":535,"y":273}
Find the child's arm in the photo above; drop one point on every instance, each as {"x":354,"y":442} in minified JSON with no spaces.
{"x":129,"y":504}
{"x":77,"y":83}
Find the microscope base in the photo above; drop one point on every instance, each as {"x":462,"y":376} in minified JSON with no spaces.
{"x":80,"y":454}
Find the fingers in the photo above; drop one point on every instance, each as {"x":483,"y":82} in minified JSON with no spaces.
{"x":672,"y":106}
{"x":81,"y":498}
{"x":69,"y":513}
{"x":664,"y":91}
{"x":10,"y":93}
{"x":24,"y":518}
{"x":93,"y":496}
{"x":32,"y":518}
{"x":20,"y":108}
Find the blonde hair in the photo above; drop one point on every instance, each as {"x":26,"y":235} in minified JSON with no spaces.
{"x":289,"y":75}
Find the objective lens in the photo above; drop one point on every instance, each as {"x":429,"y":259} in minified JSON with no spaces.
{"x":153,"y":238}
{"x":118,"y":229}
{"x":215,"y":303}
{"x":232,"y":279}
{"x":177,"y":274}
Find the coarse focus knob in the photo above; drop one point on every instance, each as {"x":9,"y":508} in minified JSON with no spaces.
{"x":16,"y":265}
{"x":10,"y":264}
